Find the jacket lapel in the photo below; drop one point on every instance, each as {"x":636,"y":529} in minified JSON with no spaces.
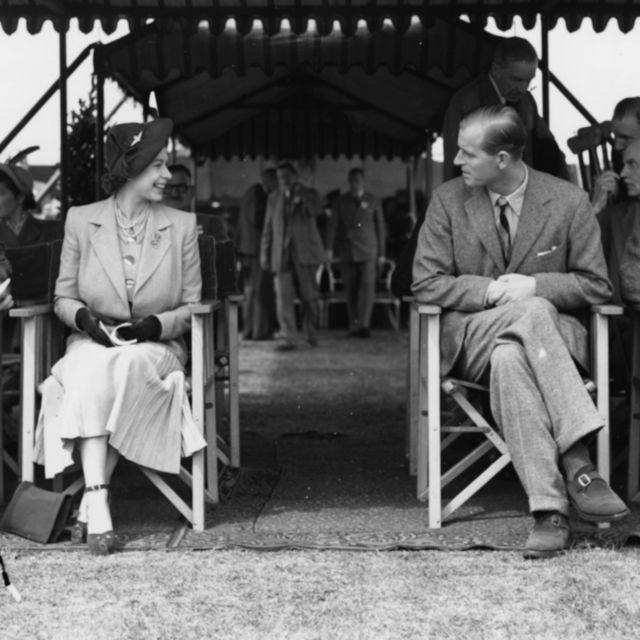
{"x":105,"y":244}
{"x":533,"y":219}
{"x":480,"y":213}
{"x":154,"y":246}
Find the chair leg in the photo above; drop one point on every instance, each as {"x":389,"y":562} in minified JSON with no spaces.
{"x":633,"y":473}
{"x":234,"y":400}
{"x":413,"y":375}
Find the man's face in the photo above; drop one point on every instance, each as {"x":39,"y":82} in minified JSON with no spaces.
{"x":177,"y":193}
{"x":630,"y":173}
{"x":286,"y":179}
{"x":625,"y":131}
{"x":513,"y":79}
{"x":356,"y":183}
{"x":478,"y":168}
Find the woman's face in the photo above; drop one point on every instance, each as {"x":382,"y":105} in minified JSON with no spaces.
{"x":9,"y":201}
{"x":151,"y":182}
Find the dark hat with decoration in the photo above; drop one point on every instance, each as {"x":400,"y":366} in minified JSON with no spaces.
{"x":22,"y":180}
{"x":131,"y":147}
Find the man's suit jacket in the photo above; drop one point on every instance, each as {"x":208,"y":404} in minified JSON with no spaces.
{"x":251,"y":221}
{"x":557,"y":242}
{"x":630,"y":268}
{"x":357,"y":228}
{"x":304,"y":209}
{"x":92,"y":273}
{"x":541,"y":150}
{"x":617,"y":224}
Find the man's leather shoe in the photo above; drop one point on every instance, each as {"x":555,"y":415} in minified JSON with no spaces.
{"x":549,"y":537}
{"x":593,"y":499}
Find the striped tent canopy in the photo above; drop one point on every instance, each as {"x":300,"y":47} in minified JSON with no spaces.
{"x":325,"y":13}
{"x":377,"y":93}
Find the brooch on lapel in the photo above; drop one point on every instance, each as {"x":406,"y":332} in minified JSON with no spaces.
{"x":155,"y":239}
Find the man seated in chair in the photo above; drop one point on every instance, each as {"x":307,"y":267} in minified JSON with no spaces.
{"x":625,"y":126}
{"x":512,"y":254}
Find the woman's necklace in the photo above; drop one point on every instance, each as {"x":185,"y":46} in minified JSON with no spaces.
{"x":131,"y":230}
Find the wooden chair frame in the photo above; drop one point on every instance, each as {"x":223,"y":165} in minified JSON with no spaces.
{"x":425,"y":428}
{"x":337,"y":294}
{"x":42,"y":345}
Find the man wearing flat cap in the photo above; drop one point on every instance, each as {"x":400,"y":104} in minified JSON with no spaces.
{"x":18,"y":227}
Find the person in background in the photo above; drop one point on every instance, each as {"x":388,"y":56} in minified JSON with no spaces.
{"x":18,"y":226}
{"x":507,"y":82}
{"x":512,"y":254}
{"x":258,"y":311}
{"x":291,"y":248}
{"x":131,"y":262}
{"x":625,"y":127}
{"x":357,"y":228}
{"x":178,"y":193}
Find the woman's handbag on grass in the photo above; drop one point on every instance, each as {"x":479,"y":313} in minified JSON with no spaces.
{"x":36,"y":514}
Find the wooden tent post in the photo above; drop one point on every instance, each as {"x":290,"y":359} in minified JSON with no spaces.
{"x":64,"y":155}
{"x":544,"y":33}
{"x":100,"y":123}
{"x":411,"y":188}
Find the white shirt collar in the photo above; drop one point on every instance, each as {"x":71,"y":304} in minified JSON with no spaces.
{"x":516,"y":198}
{"x":495,"y":86}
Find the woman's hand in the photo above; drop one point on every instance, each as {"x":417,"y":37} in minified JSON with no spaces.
{"x":142,"y":330}
{"x":86,"y":321}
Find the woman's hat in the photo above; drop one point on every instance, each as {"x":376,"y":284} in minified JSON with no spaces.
{"x":130,"y":148}
{"x":22,"y":180}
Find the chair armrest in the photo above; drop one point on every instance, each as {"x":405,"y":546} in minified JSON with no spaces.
{"x":235,"y":297}
{"x":203,"y":307}
{"x":30,"y":312}
{"x":608,"y":309}
{"x":427,"y":309}
{"x":408,"y":299}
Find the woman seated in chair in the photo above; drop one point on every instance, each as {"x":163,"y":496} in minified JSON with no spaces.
{"x":127,"y":259}
{"x":18,"y":227}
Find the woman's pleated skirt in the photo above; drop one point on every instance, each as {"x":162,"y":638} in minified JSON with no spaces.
{"x":136,"y":395}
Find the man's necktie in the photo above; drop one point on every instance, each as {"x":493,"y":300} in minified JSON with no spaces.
{"x":505,"y":229}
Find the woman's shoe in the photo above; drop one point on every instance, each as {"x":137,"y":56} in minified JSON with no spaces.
{"x":79,"y":532}
{"x":100,"y":544}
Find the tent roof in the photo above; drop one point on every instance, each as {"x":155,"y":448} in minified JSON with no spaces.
{"x":298,"y":12}
{"x":300,"y":95}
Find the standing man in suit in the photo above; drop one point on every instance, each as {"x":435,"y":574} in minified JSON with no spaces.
{"x":291,"y":248}
{"x":356,"y":226}
{"x":513,"y":68}
{"x":258,"y":311}
{"x":512,"y":254}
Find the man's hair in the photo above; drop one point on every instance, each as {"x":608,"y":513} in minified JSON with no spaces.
{"x":627,"y":107}
{"x":287,"y":166}
{"x":356,"y":171}
{"x":514,"y":49}
{"x":175,"y":168}
{"x":503,"y":129}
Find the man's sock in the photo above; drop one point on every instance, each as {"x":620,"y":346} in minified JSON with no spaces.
{"x":574,"y":459}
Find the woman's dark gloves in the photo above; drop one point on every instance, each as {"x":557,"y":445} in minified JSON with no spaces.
{"x":142,"y":330}
{"x":87,"y":322}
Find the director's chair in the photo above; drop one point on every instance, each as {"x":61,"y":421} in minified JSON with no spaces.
{"x":429,"y":437}
{"x":43,"y":344}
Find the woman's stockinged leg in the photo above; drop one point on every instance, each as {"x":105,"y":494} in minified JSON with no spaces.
{"x":94,"y":454}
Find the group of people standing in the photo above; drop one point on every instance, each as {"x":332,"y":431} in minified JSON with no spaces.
{"x":281,"y":247}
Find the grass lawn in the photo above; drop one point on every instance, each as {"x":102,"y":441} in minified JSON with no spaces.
{"x":332,"y":595}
